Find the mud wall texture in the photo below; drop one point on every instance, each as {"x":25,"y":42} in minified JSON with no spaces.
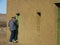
{"x":35,"y":29}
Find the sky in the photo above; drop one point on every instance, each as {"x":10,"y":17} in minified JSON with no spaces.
{"x":3,"y":5}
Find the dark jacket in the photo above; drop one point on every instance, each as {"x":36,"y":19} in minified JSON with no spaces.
{"x":12,"y":25}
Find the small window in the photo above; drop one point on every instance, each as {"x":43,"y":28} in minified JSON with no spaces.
{"x":39,"y":13}
{"x":57,"y":4}
{"x":18,"y":14}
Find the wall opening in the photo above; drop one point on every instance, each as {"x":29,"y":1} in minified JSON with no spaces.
{"x":39,"y":13}
{"x":58,"y":26}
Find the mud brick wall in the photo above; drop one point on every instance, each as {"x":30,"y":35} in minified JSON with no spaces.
{"x":35,"y":29}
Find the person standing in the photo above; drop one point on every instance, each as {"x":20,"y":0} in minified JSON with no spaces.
{"x":12,"y":28}
{"x":17,"y":25}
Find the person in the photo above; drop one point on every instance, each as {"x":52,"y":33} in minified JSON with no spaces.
{"x":12,"y":28}
{"x":17,"y":25}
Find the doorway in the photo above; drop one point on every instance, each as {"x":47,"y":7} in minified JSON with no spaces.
{"x":58,"y":26}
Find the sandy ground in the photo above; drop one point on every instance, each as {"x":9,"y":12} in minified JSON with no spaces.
{"x":3,"y":38}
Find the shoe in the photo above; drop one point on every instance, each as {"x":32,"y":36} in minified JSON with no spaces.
{"x":10,"y":42}
{"x":14,"y":41}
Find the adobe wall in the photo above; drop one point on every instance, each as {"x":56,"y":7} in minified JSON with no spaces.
{"x":35,"y":29}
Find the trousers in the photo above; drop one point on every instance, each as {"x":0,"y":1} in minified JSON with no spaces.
{"x":13,"y":36}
